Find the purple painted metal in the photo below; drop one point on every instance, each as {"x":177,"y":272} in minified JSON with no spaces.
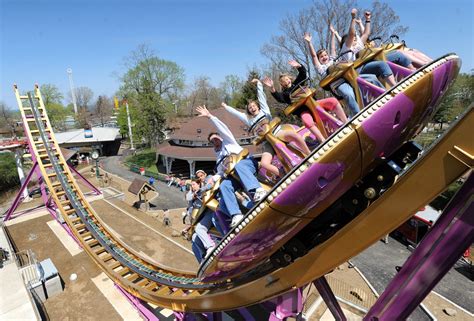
{"x":431,"y":260}
{"x":19,"y":197}
{"x":88,"y":184}
{"x":399,"y":72}
{"x":216,"y":316}
{"x":183,"y":316}
{"x":52,"y":210}
{"x":332,"y":121}
{"x":137,"y":303}
{"x":287,"y":305}
{"x":246,"y":314}
{"x":369,"y":91}
{"x":221,"y":218}
{"x":328,"y":296}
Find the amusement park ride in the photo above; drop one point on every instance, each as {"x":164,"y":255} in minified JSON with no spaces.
{"x":365,"y":180}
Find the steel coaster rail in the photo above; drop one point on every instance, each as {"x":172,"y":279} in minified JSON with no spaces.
{"x":114,"y":258}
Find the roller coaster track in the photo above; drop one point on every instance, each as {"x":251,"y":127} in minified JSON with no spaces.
{"x":449,"y":159}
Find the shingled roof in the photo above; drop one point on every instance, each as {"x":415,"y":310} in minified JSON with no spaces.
{"x":198,"y":128}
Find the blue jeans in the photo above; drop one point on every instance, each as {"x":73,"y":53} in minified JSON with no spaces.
{"x":246,"y":170}
{"x":198,"y":248}
{"x":202,"y":228}
{"x":377,"y":68}
{"x":347,"y":93}
{"x":372,"y":79}
{"x":398,"y":58}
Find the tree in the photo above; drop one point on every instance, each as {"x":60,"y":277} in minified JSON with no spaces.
{"x":84,"y":97}
{"x":7,"y":119}
{"x":103,"y":108}
{"x":51,"y":94}
{"x":203,"y":93}
{"x":52,"y":99}
{"x":57,"y":114}
{"x":248,"y":91}
{"x":8,"y":173}
{"x":316,"y":20}
{"x":151,"y":85}
{"x":231,"y":89}
{"x":458,"y":98}
{"x":147,"y":73}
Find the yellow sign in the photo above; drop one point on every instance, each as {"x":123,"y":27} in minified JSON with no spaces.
{"x":116,"y":103}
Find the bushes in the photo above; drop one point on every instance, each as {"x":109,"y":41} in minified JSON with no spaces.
{"x":8,"y":172}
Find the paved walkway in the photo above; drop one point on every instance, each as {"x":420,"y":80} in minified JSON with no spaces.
{"x":170,"y":197}
{"x":456,"y":285}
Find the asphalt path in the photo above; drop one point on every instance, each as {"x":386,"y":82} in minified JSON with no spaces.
{"x":378,"y":263}
{"x":168,"y":198}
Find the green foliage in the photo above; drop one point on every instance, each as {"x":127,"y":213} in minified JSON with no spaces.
{"x":8,"y":173}
{"x":232,"y":89}
{"x":145,"y":158}
{"x":51,"y":94}
{"x":150,"y":85}
{"x":457,"y":99}
{"x":57,"y":114}
{"x":249,"y":90}
{"x":443,"y":199}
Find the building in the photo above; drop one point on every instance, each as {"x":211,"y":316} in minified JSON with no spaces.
{"x":104,"y":139}
{"x":188,"y":148}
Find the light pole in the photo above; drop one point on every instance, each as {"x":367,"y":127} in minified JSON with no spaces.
{"x":95,"y":156}
{"x":73,"y":93}
{"x":129,"y":126}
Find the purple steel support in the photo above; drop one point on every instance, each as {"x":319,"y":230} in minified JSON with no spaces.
{"x":136,"y":302}
{"x":287,"y":305}
{"x":183,"y":316}
{"x":399,"y":70}
{"x":18,"y":197}
{"x":328,"y":296}
{"x":452,"y":234}
{"x":52,"y":210}
{"x":222,"y":221}
{"x":244,"y":312}
{"x":88,"y":184}
{"x":216,"y":316}
{"x":371,"y":88}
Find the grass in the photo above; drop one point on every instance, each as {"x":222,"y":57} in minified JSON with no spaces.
{"x":145,"y":158}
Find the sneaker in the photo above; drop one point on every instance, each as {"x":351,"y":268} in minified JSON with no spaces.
{"x":259,"y":195}
{"x":236,"y":219}
{"x":209,"y":250}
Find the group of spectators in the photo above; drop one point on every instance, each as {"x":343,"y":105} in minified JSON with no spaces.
{"x":180,"y":183}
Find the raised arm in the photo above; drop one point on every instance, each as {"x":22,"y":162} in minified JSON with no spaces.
{"x":222,"y":129}
{"x":366,"y":33}
{"x":352,"y":32}
{"x":267,"y":81}
{"x":334,"y":35}
{"x":307,"y":37}
{"x":262,"y":97}
{"x":240,"y":115}
{"x":361,"y":25}
{"x":301,"y":71}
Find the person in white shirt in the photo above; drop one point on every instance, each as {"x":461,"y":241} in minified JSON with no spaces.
{"x":256,"y":112}
{"x":225,"y":144}
{"x":351,"y":44}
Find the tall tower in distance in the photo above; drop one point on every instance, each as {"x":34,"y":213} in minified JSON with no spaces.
{"x":71,"y":85}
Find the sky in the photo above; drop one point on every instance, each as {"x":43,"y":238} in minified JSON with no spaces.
{"x":40,"y":39}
